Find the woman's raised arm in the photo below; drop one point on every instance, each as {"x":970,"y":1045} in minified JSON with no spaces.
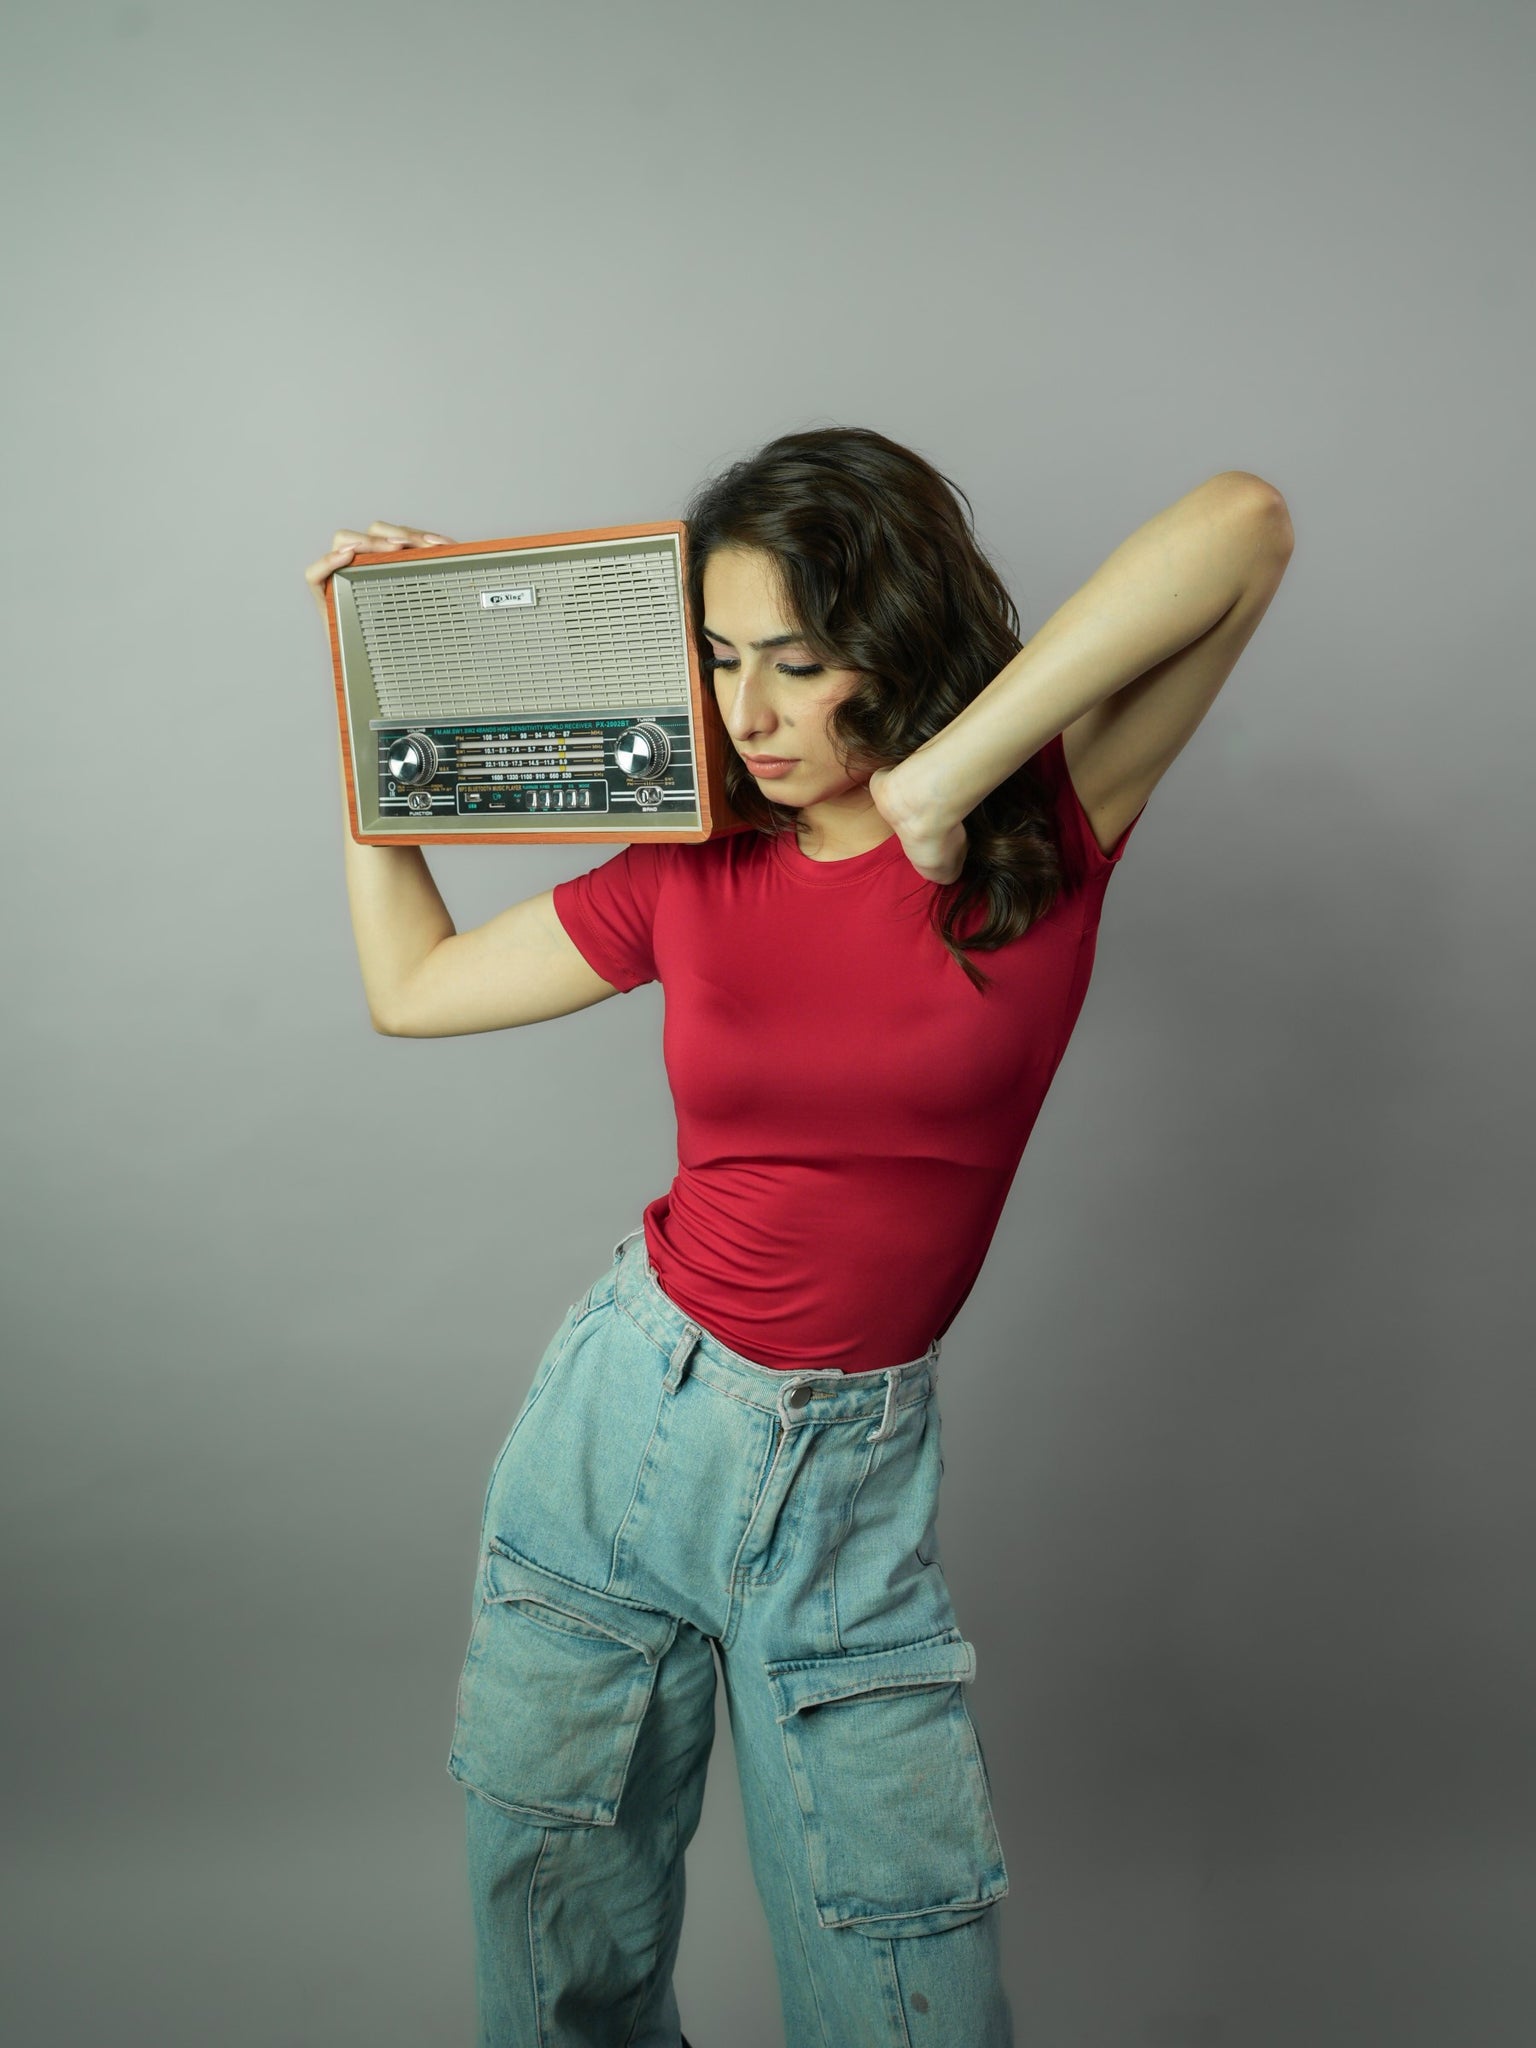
{"x":423,"y":978}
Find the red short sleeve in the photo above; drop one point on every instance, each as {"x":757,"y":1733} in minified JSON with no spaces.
{"x":1081,"y":852}
{"x":610,"y":913}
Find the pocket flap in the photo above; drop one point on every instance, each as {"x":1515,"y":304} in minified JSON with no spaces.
{"x":800,"y":1682}
{"x":557,"y":1681}
{"x":561,"y":1604}
{"x":892,"y":1786}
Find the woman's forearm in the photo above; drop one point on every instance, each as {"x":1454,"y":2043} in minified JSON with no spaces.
{"x":397,"y":914}
{"x":1160,"y":589}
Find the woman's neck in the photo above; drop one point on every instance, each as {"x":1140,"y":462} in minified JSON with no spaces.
{"x":841,"y":827}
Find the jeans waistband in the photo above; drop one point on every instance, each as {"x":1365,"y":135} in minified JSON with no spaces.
{"x":797,"y":1395}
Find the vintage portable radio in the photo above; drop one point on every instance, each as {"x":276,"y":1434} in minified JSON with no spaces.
{"x":540,"y":688}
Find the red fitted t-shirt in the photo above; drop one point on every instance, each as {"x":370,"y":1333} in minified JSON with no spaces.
{"x":851,"y":1110}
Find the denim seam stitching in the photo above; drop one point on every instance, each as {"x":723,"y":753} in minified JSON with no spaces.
{"x":662,"y":1351}
{"x":538,"y":1816}
{"x":848,"y":1522}
{"x":534,"y":1958}
{"x":726,"y":1395}
{"x":579,"y":1586}
{"x":986,"y":1793}
{"x":763,"y":1407}
{"x":919,"y":1913}
{"x":824,"y":1420}
{"x":737,"y":1582}
{"x":530,"y":1402}
{"x":897,"y":2001}
{"x":949,"y":1635}
{"x":618,"y":1538}
{"x":810,"y":1973}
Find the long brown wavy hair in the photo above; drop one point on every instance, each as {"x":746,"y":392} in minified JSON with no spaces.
{"x":880,"y":572}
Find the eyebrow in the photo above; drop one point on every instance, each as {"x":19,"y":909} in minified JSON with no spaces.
{"x":757,"y":646}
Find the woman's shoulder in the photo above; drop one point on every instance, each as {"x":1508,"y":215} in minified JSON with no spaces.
{"x":650,"y":866}
{"x":698,"y":855}
{"x":736,"y":848}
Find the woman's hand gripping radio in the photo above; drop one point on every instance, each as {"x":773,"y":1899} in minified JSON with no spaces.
{"x":379,"y":538}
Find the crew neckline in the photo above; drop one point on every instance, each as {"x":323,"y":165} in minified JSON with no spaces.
{"x":852,"y":867}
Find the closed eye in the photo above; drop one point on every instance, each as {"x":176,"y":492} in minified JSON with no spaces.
{"x":715,"y":661}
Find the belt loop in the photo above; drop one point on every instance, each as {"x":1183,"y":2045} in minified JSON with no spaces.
{"x":682,"y":1351}
{"x":619,"y":1247}
{"x":888,"y":1419}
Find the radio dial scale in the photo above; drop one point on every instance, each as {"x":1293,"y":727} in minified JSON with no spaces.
{"x":602,"y":765}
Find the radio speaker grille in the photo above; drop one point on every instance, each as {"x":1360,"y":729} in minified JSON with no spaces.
{"x":605,"y":633}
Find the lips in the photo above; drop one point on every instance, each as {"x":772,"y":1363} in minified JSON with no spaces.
{"x":768,"y":760}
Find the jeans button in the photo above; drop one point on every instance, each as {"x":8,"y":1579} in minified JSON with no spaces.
{"x":797,"y":1396}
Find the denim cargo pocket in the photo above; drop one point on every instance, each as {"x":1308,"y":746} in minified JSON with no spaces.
{"x":555,"y":1685}
{"x":893,"y":1789}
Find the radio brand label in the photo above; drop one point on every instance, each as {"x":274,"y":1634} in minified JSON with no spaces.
{"x":493,"y":600}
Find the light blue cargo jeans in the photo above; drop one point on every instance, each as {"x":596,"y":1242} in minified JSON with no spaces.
{"x":662,"y":1500}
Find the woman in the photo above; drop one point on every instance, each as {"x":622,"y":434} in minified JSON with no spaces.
{"x":731,"y":1446}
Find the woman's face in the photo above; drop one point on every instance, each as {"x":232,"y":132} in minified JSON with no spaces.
{"x":773,"y":698}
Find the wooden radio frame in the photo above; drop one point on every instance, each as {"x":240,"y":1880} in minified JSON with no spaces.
{"x":711,"y":743}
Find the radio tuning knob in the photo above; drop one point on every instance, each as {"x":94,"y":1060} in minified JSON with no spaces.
{"x":412,"y":759}
{"x":642,"y":750}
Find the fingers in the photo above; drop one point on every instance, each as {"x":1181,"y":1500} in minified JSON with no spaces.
{"x":319,"y":574}
{"x":408,"y":536}
{"x":382,"y":536}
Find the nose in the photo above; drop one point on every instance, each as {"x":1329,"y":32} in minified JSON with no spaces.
{"x":748,"y":710}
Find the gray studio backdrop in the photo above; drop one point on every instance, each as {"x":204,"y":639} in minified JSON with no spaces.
{"x":1238,"y":1418}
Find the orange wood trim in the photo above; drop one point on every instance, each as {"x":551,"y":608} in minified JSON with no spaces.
{"x":619,"y":838}
{"x":343,"y":735}
{"x":526,"y":540}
